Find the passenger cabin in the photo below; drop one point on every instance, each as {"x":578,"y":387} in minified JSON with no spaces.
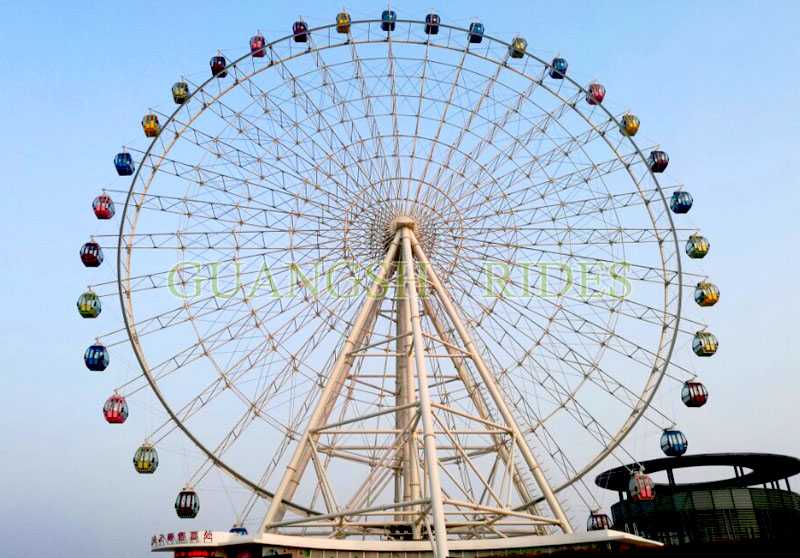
{"x":151,"y":125}
{"x":558,"y":68}
{"x":697,"y":246}
{"x":91,"y":254}
{"x":595,"y":93}
{"x":641,"y":487}
{"x":145,"y":460}
{"x":704,"y":344}
{"x":598,"y":522}
{"x":658,"y":161}
{"x":258,"y":46}
{"x":694,"y":394}
{"x":123,"y":162}
{"x":96,"y":357}
{"x":706,"y":294}
{"x":388,"y":20}
{"x":103,"y":207}
{"x":180,"y":92}
{"x":629,"y":125}
{"x":517,"y":47}
{"x":219,"y":66}
{"x":343,"y":22}
{"x":432,"y":24}
{"x":681,"y":202}
{"x":238,"y":530}
{"x":89,"y":305}
{"x":300,"y":31}
{"x":674,"y":443}
{"x":115,"y":409}
{"x":476,"y":31}
{"x":187,"y":504}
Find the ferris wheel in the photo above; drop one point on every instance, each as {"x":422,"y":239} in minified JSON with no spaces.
{"x":399,"y":279}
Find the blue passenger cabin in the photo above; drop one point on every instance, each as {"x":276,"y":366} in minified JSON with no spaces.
{"x":681,"y":201}
{"x":96,"y":357}
{"x":674,"y":443}
{"x":388,"y":20}
{"x":558,"y":68}
{"x":476,"y":31}
{"x":123,"y":162}
{"x":238,"y":530}
{"x":432,"y":24}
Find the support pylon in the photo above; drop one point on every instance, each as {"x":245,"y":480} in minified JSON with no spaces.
{"x":419,"y":503}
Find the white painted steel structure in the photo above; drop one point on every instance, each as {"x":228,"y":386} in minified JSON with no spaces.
{"x":523,"y":315}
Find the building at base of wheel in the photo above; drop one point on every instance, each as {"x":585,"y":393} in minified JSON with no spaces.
{"x":754,"y":505}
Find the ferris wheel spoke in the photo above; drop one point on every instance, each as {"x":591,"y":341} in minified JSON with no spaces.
{"x":537,"y":127}
{"x":247,"y":189}
{"x":290,"y":126}
{"x":256,"y":168}
{"x":621,"y":345}
{"x":443,"y":118}
{"x":579,"y":178}
{"x":228,"y":378}
{"x":394,"y":110}
{"x":342,"y":102}
{"x":557,"y":154}
{"x":240,"y":240}
{"x":208,"y":306}
{"x":580,"y":211}
{"x":197,"y":271}
{"x":490,"y":83}
{"x":624,"y":307}
{"x":600,"y":267}
{"x":235,"y":213}
{"x":363,"y":178}
{"x":582,"y":364}
{"x":379,"y":151}
{"x":536,"y":194}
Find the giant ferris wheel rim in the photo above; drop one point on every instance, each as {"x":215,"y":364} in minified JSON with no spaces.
{"x":125,"y":294}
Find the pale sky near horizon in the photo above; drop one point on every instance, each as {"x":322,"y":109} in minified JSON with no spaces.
{"x":717,"y":83}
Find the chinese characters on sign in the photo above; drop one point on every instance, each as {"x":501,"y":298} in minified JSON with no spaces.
{"x":196,"y":537}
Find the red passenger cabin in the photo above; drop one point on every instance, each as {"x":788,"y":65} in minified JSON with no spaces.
{"x":218,"y":66}
{"x":103,"y":207}
{"x":115,"y":410}
{"x":641,"y":487}
{"x":694,"y":394}
{"x":257,"y":44}
{"x":91,"y":254}
{"x":300,"y":31}
{"x":595,"y":93}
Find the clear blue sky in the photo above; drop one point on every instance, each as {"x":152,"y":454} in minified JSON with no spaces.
{"x":715,"y":82}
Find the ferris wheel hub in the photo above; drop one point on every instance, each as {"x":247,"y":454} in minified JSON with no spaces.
{"x":402,"y":221}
